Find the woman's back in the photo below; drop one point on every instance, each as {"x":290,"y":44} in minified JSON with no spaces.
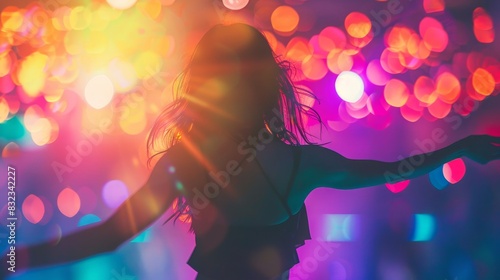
{"x":247,"y":181}
{"x":244,"y":220}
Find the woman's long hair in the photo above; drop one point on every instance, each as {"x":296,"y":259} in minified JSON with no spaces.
{"x":273,"y":95}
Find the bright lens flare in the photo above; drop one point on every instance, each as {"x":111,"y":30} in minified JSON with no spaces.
{"x":99,"y":91}
{"x":349,"y":86}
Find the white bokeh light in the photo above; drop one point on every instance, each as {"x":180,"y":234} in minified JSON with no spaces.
{"x":99,"y":91}
{"x":121,"y":4}
{"x":235,"y":4}
{"x":349,"y":86}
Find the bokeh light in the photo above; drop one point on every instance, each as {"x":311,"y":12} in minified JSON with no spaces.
{"x":235,"y":4}
{"x":114,"y":193}
{"x":99,"y":91}
{"x":349,"y":86}
{"x":483,"y":26}
{"x":284,"y":19}
{"x":398,"y":187}
{"x":332,"y":39}
{"x":433,"y":34}
{"x":31,"y":74}
{"x":121,"y":4}
{"x":68,"y":202}
{"x":313,"y":68}
{"x":376,"y":74}
{"x":483,"y":81}
{"x":434,"y":6}
{"x":33,"y":209}
{"x":88,"y":219}
{"x":437,"y":178}
{"x":64,"y":69}
{"x":425,"y":90}
{"x":396,"y":93}
{"x":424,"y":227}
{"x":454,"y":170}
{"x":4,"y":109}
{"x":358,"y":25}
{"x":340,"y":227}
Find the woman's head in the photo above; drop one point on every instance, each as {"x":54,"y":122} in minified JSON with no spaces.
{"x":232,"y":76}
{"x":234,"y":81}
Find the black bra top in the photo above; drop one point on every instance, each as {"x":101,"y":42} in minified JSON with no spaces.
{"x":252,"y":252}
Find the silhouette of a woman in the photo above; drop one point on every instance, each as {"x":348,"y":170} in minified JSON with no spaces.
{"x":235,"y":164}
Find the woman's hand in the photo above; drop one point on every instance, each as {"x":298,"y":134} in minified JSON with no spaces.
{"x":482,"y":148}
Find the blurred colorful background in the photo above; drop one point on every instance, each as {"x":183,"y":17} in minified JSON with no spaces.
{"x":81,"y":82}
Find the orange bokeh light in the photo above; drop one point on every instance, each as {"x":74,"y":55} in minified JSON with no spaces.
{"x":396,"y":93}
{"x":439,"y":109}
{"x":434,"y":6}
{"x":481,"y":19}
{"x":314,"y":68}
{"x":483,"y":82}
{"x":332,"y":38}
{"x":390,"y":62}
{"x":298,"y":49}
{"x":357,"y":24}
{"x":433,"y":34}
{"x":397,"y":38}
{"x":425,"y":90}
{"x":448,"y":87}
{"x":284,"y":19}
{"x":338,"y":62}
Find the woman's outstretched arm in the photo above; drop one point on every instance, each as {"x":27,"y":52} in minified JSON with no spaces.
{"x":324,"y":167}
{"x":139,"y":211}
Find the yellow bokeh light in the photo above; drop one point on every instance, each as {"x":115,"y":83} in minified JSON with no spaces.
{"x":80,"y":18}
{"x":96,"y":42}
{"x":133,"y":118}
{"x":108,"y":13}
{"x":150,"y":8}
{"x":12,"y":19}
{"x":40,"y":133}
{"x":5,"y":63}
{"x":147,"y":64}
{"x":4,"y":109}
{"x":73,"y":42}
{"x":31,"y":115}
{"x":99,"y":91}
{"x":31,"y":74}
